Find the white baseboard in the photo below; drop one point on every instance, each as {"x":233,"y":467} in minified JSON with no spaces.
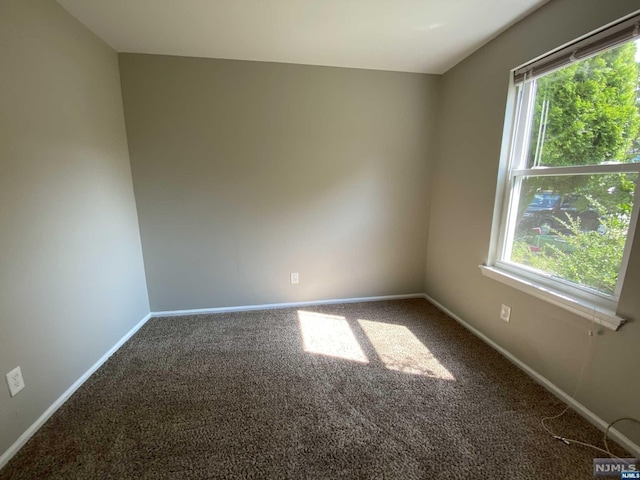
{"x":578,"y":407}
{"x":24,"y":438}
{"x":268,"y":306}
{"x":583,"y":411}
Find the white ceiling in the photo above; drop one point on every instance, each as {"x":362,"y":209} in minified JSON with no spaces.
{"x":427,"y":36}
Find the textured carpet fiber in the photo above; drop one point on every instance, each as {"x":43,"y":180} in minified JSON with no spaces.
{"x":391,"y":390}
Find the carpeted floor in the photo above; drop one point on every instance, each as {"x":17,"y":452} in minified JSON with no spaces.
{"x":385,"y":390}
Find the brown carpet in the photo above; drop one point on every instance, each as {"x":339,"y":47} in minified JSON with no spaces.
{"x":388,"y":390}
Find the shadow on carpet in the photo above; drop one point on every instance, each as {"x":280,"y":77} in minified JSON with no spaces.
{"x":393,"y":390}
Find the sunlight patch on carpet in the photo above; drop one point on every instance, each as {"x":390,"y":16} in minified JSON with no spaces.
{"x":400,"y":350}
{"x":329,"y":335}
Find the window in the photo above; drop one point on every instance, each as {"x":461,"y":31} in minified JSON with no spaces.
{"x":567,"y":204}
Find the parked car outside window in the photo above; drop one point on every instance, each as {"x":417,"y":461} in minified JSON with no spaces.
{"x":552,"y":212}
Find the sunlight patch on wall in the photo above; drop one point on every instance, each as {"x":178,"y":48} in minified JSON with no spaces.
{"x":400,"y":350}
{"x":329,"y":335}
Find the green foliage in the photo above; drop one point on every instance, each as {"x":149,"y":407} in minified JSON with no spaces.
{"x":589,"y":258}
{"x":613,"y":193}
{"x":585,"y":114}
{"x":592,"y":114}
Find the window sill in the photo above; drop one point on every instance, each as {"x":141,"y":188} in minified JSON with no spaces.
{"x":595,"y":313}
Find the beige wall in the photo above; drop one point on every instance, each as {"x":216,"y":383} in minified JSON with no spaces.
{"x":549,"y":339}
{"x":71,"y":273}
{"x":245,"y":172}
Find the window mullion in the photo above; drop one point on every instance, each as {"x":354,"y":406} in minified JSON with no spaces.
{"x":579,"y":170}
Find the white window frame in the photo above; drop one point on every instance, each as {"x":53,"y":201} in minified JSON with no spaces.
{"x":581,"y":300}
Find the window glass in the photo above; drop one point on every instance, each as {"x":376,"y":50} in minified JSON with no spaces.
{"x":587,"y":113}
{"x":574,"y":224}
{"x":574,"y":227}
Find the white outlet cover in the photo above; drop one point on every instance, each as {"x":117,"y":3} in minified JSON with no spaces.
{"x":15,"y":381}
{"x":295,"y":278}
{"x":505,"y":312}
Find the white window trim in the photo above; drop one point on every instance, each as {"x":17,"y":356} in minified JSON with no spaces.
{"x":587,"y":303}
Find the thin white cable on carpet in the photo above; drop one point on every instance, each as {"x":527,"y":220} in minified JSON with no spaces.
{"x":606,"y":432}
{"x":569,"y":441}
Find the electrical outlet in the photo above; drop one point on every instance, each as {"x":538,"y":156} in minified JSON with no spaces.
{"x":505,"y":312}
{"x":15,"y":381}
{"x":295,"y":278}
